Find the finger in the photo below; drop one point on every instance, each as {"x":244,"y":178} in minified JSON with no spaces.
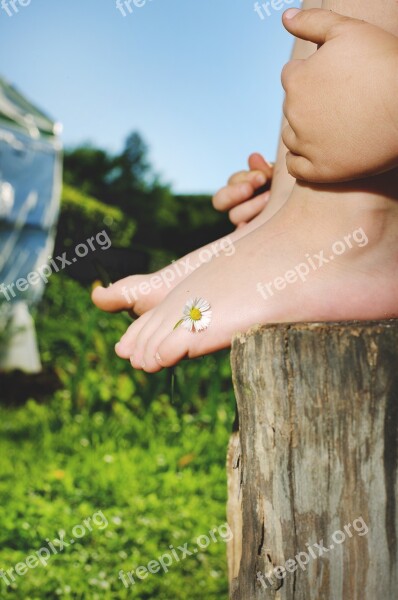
{"x":289,"y":70}
{"x":284,"y":108}
{"x":238,"y":177}
{"x":289,"y":138}
{"x":299,"y":167}
{"x":314,"y":25}
{"x":256,"y":178}
{"x":231,"y":195}
{"x":248,"y":210}
{"x":258,"y":163}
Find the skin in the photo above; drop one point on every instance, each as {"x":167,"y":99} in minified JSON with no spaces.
{"x":360,"y":59}
{"x":358,"y":284}
{"x":237,"y":196}
{"x":246,"y":212}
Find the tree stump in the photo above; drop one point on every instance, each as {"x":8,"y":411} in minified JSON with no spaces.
{"x":318,"y":429}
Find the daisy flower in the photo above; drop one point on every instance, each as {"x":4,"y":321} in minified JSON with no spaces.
{"x":197,"y":315}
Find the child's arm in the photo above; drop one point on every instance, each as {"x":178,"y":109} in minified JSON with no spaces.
{"x":241,"y":197}
{"x":341,"y":103}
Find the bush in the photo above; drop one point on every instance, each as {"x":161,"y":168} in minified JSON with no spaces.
{"x":113,"y":440}
{"x":82,"y":216}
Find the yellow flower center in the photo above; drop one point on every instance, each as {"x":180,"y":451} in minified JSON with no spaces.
{"x":195,"y":314}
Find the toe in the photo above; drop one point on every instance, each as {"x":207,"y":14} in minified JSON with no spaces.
{"x":125,"y":347}
{"x":152,"y":365}
{"x":114,"y":298}
{"x":181,"y":343}
{"x":150,"y":330}
{"x":173,"y":347}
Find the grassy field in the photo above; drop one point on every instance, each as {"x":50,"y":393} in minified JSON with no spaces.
{"x":115,"y":461}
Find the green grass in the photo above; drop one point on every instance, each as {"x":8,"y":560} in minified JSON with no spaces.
{"x":115,"y":441}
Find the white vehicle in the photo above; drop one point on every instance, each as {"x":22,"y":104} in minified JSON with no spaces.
{"x":30,"y":189}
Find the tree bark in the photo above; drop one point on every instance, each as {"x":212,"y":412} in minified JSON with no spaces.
{"x":234,"y":507}
{"x":318,"y":418}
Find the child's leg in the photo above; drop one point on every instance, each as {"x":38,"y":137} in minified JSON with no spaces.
{"x":283,"y":183}
{"x":141,"y":293}
{"x":330,"y":253}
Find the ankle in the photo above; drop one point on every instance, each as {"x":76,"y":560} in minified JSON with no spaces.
{"x":370,"y":204}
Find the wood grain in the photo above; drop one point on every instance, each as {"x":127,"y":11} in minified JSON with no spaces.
{"x":318,"y":427}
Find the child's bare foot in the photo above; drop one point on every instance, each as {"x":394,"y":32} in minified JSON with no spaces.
{"x":328,"y":254}
{"x":140,"y":293}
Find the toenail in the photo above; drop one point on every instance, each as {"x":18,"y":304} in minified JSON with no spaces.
{"x":157,"y":356}
{"x":117,"y":346}
{"x":143,"y":365}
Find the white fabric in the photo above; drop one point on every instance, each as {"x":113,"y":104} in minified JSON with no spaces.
{"x":21,"y":351}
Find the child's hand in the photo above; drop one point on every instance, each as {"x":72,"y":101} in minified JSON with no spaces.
{"x":237,"y":196}
{"x":341,"y":103}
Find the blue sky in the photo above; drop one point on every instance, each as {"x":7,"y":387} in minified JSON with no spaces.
{"x":200,"y":79}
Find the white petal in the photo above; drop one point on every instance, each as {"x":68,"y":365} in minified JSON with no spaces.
{"x":203,"y":304}
{"x":205,"y":315}
{"x":187,"y":323}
